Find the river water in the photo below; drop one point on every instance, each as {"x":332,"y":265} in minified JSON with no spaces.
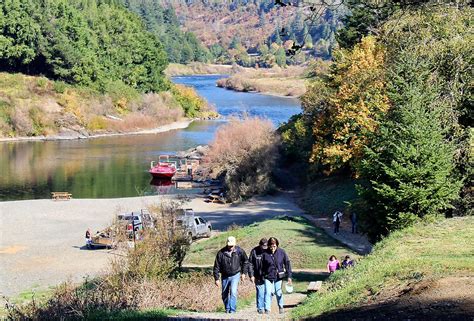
{"x":109,"y":167}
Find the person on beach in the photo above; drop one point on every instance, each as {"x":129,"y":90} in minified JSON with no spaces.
{"x":336,"y":220}
{"x":232,"y":264}
{"x":333,"y":264}
{"x":354,"y":222}
{"x":256,"y":273}
{"x":276,"y":266}
{"x":347,"y":262}
{"x":88,"y":238}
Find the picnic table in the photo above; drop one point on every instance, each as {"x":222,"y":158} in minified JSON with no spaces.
{"x":60,"y":196}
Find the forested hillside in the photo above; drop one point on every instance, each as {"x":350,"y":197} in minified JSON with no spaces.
{"x":93,"y":43}
{"x":258,"y":32}
{"x":96,"y":67}
{"x":181,"y":47}
{"x":394,"y":111}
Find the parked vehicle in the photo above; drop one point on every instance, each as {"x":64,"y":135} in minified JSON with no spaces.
{"x":195,"y":226}
{"x":137,"y":220}
{"x":102,"y":239}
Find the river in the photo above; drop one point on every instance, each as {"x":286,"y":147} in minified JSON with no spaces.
{"x":116,"y":166}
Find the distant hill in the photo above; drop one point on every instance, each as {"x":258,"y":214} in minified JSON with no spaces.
{"x":250,"y":32}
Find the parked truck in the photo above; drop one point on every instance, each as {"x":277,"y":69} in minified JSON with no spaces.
{"x":195,"y":226}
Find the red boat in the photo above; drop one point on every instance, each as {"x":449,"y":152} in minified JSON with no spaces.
{"x":163,"y":169}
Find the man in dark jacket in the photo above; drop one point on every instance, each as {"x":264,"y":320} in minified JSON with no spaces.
{"x":232,"y":264}
{"x":276,"y":266}
{"x":256,"y":272}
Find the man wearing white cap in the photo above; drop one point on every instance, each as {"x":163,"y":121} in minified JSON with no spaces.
{"x":232,"y":264}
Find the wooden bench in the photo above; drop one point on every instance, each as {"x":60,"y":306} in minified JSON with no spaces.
{"x":314,"y":286}
{"x":61,"y":196}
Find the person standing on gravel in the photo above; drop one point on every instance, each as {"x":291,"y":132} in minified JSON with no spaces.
{"x":256,"y":273}
{"x":276,"y":266}
{"x":232,"y":264}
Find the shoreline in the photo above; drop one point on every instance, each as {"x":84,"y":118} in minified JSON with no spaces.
{"x":160,"y":129}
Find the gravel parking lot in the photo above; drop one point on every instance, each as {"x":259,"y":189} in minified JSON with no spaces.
{"x":42,"y":241}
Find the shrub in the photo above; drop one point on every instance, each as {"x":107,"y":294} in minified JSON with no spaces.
{"x":39,"y":121}
{"x":189,"y":100}
{"x":21,"y":122}
{"x":97,"y":123}
{"x":59,"y":87}
{"x":243,"y":154}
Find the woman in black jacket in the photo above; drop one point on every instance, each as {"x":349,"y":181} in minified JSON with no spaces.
{"x":276,"y":266}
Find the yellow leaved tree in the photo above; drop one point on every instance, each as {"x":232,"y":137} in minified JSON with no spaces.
{"x":346,"y":105}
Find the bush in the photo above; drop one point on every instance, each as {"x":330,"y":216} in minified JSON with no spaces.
{"x":189,"y":100}
{"x":59,"y":87}
{"x":243,"y":154}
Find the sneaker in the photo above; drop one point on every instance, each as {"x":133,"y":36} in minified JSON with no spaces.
{"x":227,"y":311}
{"x":267,"y":312}
{"x":282,"y":310}
{"x":260,"y":311}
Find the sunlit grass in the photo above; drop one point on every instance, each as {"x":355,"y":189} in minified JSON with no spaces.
{"x":425,"y":251}
{"x":306,"y":245}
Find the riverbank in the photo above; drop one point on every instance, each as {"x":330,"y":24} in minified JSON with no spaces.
{"x":276,"y":81}
{"x":71,"y":135}
{"x":283,"y":82}
{"x":198,"y":68}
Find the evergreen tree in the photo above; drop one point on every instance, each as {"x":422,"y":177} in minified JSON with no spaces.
{"x":307,"y":39}
{"x":280,"y":57}
{"x":409,"y":165}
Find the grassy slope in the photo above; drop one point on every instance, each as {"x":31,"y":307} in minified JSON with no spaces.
{"x":423,"y":252}
{"x":326,"y":195}
{"x":306,"y":245}
{"x":37,"y":106}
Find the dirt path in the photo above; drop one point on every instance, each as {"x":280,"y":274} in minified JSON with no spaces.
{"x":356,"y":242}
{"x":250,"y":312}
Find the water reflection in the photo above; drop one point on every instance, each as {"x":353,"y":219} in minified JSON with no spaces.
{"x":117,"y":166}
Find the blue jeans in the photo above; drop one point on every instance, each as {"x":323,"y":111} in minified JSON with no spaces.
{"x":260,"y":287}
{"x":273,"y":287}
{"x":229,"y":292}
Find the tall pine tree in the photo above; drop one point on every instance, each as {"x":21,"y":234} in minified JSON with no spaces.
{"x":409,"y":165}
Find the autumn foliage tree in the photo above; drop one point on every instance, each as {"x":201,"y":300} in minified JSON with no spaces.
{"x":243,"y":154}
{"x":346,"y":105}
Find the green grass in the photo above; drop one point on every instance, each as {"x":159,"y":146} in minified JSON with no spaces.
{"x":326,"y":195}
{"x":131,"y":315}
{"x":39,"y":295}
{"x":423,"y":252}
{"x":306,"y":245}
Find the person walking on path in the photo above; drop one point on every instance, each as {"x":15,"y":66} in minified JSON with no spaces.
{"x":333,"y":264}
{"x":256,"y":273}
{"x":232,"y":264}
{"x":354,"y":222}
{"x":336,"y":219}
{"x":276,"y":266}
